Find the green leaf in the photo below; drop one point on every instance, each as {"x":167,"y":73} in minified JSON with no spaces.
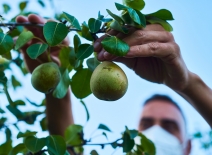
{"x":6,"y":43}
{"x":15,"y":82}
{"x":16,"y":32}
{"x":35,"y":144}
{"x":18,"y":102}
{"x":117,"y":18}
{"x":6,"y":7}
{"x":142,"y":19}
{"x":3,"y":78}
{"x":198,"y":135}
{"x":23,"y":5}
{"x":147,"y":145}
{"x":8,"y":134}
{"x":36,"y":50}
{"x":80,"y":83}
{"x":23,"y":38}
{"x":15,"y":111}
{"x":26,"y":134}
{"x":135,"y":4}
{"x":104,"y":134}
{"x":86,"y":109}
{"x":74,"y":22}
{"x":54,"y":33}
{"x":104,"y":127}
{"x":116,"y":26}
{"x":92,"y":63}
{"x":86,"y":33}
{"x":100,"y":17}
{"x":126,"y":18}
{"x":31,"y":116}
{"x":164,"y":24}
{"x":132,"y":133}
{"x":72,"y":57}
{"x":41,"y":3}
{"x":77,"y":42}
{"x":128,"y":143}
{"x":43,"y":124}
{"x":94,"y":25}
{"x":93,"y":152}
{"x":73,"y":134}
{"x":64,"y":57}
{"x":17,"y":149}
{"x":114,"y":145}
{"x":67,"y":153}
{"x":162,"y":14}
{"x":84,"y":51}
{"x":133,"y":14}
{"x":62,"y":88}
{"x":5,"y":148}
{"x":2,"y":121}
{"x":56,"y":145}
{"x":115,"y":46}
{"x":2,"y":111}
{"x":78,"y":64}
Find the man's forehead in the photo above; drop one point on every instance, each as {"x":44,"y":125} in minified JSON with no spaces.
{"x":160,"y":109}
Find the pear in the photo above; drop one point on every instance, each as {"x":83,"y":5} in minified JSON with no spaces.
{"x":46,"y":77}
{"x":108,"y":81}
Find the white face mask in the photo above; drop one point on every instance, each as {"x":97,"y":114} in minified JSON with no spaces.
{"x":165,"y":143}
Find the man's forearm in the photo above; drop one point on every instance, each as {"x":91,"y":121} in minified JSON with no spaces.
{"x":200,"y":96}
{"x":59,"y":113}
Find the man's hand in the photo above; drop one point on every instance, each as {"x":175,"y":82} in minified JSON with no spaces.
{"x":153,"y":55}
{"x":58,"y":111}
{"x":38,"y":32}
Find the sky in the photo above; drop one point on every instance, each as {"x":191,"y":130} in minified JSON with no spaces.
{"x":192,"y":32}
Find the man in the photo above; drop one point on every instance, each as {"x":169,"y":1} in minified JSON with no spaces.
{"x":164,"y":123}
{"x":154,"y":56}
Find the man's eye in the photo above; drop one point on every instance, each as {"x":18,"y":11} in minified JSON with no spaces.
{"x":171,"y":128}
{"x":145,"y":125}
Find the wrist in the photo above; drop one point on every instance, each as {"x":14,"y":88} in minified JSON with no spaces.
{"x":193,"y":83}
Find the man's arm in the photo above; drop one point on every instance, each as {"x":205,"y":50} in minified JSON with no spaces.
{"x":200,"y":96}
{"x":58,"y":111}
{"x":155,"y":56}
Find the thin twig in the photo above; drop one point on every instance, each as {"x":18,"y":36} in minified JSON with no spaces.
{"x":39,"y":25}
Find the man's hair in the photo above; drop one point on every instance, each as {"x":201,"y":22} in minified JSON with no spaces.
{"x":164,"y":98}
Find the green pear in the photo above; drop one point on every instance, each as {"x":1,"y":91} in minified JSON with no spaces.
{"x":108,"y":82}
{"x":46,"y":77}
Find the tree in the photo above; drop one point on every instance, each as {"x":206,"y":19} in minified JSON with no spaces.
{"x":72,"y":59}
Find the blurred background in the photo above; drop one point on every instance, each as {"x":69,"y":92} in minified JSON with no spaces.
{"x":192,"y":32}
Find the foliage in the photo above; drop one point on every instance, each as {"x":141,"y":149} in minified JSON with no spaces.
{"x":71,"y":59}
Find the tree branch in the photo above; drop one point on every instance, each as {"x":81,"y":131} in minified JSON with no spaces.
{"x":14,"y":24}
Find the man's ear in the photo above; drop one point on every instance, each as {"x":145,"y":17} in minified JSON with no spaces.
{"x":188,"y":147}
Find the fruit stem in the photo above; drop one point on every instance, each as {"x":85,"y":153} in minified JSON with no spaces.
{"x":49,"y":54}
{"x":39,"y":39}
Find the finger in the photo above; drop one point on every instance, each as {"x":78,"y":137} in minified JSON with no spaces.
{"x":97,"y":44}
{"x":21,"y":19}
{"x":154,"y":27}
{"x":36,"y":19}
{"x":165,"y":51}
{"x":140,"y":37}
